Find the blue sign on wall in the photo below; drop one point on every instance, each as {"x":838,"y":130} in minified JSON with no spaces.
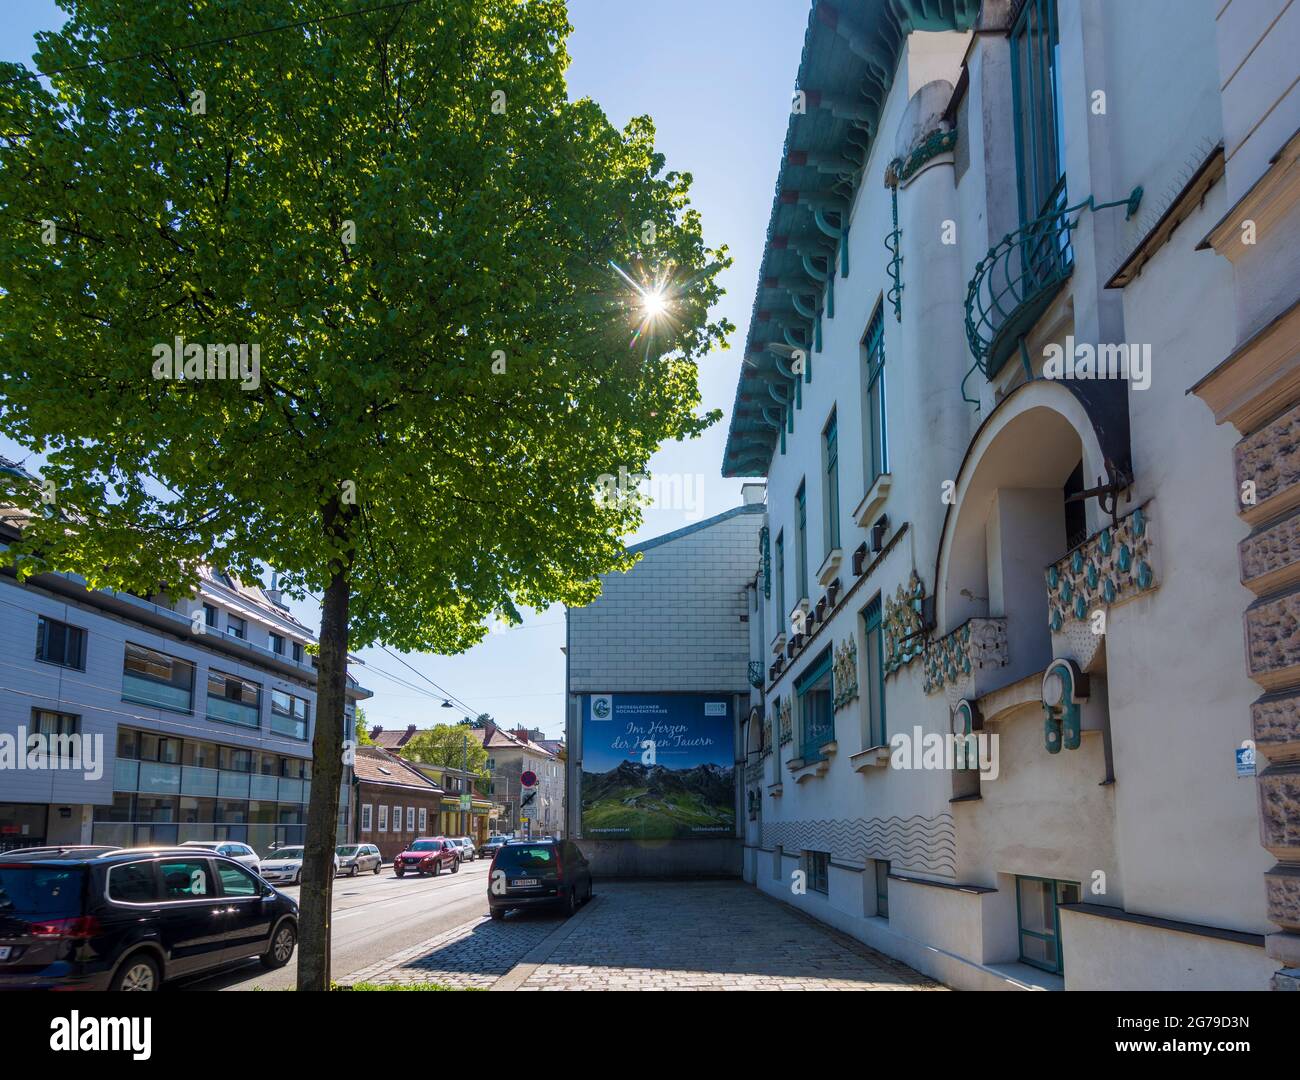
{"x":657,"y":766}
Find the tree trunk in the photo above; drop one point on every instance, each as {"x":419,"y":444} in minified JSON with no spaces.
{"x":316,"y":894}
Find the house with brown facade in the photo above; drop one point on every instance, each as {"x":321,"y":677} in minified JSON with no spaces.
{"x":394,"y":802}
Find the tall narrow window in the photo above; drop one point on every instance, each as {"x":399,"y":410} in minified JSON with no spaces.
{"x":1037,"y":903}
{"x":875,"y":436}
{"x":875,"y":733}
{"x":781,"y":612}
{"x":801,"y":539}
{"x":831,"y":493}
{"x":882,"y":887}
{"x":1036,"y":94}
{"x":813,"y":690}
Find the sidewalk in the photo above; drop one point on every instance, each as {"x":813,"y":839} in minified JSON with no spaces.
{"x":716,"y":935}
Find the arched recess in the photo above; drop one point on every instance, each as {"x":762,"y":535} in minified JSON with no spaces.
{"x":754,"y":736}
{"x":1008,"y":518}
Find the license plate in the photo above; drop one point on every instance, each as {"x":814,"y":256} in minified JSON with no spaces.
{"x":4,"y":952}
{"x":524,"y":882}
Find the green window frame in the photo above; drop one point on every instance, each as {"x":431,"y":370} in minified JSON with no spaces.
{"x":1036,"y":97}
{"x":815,"y":692}
{"x":877,"y":732}
{"x":780,"y":580}
{"x":1038,"y":919}
{"x":801,"y":537}
{"x":875,"y":430}
{"x":831,"y":470}
{"x":880,"y":868}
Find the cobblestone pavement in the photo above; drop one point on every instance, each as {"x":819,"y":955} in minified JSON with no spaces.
{"x":652,"y":936}
{"x":471,"y":956}
{"x":710,"y":936}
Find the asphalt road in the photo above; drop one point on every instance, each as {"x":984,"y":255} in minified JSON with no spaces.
{"x":374,"y":917}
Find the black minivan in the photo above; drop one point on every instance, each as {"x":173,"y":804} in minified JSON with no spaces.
{"x":129,"y":918}
{"x":535,"y":873}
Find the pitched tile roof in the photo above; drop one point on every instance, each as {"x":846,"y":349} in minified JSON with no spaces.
{"x":375,"y":765}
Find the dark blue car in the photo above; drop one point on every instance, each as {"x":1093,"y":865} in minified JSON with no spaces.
{"x":127,"y":919}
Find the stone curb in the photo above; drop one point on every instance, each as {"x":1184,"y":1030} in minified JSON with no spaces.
{"x":541,"y":952}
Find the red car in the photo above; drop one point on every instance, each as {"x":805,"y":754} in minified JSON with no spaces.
{"x":427,"y":855}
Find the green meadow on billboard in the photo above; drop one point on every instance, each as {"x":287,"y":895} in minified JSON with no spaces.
{"x":657,"y":766}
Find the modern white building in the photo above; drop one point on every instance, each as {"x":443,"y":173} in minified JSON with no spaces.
{"x":194,"y":718}
{"x":1007,"y":239}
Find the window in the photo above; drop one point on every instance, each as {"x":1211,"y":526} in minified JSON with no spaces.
{"x":59,"y":731}
{"x":210,"y":616}
{"x":383,"y":817}
{"x":397,"y":819}
{"x":817,"y":868}
{"x":236,"y":627}
{"x":367,"y":817}
{"x":1036,"y":95}
{"x":59,"y":643}
{"x":801,"y":537}
{"x":277,"y":644}
{"x":882,"y":887}
{"x":875,"y":437}
{"x":875,"y":733}
{"x":153,"y":678}
{"x":424,"y":819}
{"x":816,"y":711}
{"x":186,"y":879}
{"x":233,"y":700}
{"x":1039,"y":920}
{"x":289,"y":714}
{"x":491,"y":764}
{"x":410,"y":819}
{"x":831,"y":489}
{"x":133,"y":883}
{"x":781,"y":612}
{"x":297,"y":651}
{"x":236,"y":881}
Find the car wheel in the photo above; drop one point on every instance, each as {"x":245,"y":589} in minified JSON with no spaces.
{"x":401,"y":873}
{"x":498,"y":913}
{"x":297,"y":878}
{"x":572,"y":905}
{"x":378,"y":866}
{"x":282,"y":943}
{"x":455,"y":866}
{"x":437,"y":866}
{"x":138,"y":972}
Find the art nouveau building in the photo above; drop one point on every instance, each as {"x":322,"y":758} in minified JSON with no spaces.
{"x":995,"y":510}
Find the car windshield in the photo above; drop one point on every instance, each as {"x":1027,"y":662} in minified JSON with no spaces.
{"x":287,"y":853}
{"x":40,"y":890}
{"x":346,"y":849}
{"x":526,"y":857}
{"x":424,"y":845}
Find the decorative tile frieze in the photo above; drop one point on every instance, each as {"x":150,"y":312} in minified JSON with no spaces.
{"x":1109,"y":568}
{"x":903,"y":625}
{"x":1270,"y":557}
{"x":920,"y":844}
{"x":1279,"y":812}
{"x":1275,"y":726}
{"x":783,"y":715}
{"x":844,"y":673}
{"x":954,"y":660}
{"x":1273,"y":641}
{"x":1267,"y":465}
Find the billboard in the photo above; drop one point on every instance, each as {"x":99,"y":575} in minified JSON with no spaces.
{"x":657,"y":766}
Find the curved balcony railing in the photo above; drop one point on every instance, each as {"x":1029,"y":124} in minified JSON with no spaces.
{"x":1019,"y":277}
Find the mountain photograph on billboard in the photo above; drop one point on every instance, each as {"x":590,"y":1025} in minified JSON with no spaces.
{"x":657,"y":766}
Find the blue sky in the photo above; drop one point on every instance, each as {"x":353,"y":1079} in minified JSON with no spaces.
{"x":716,"y":76}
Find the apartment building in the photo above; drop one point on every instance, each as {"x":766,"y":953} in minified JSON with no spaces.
{"x":195,"y":718}
{"x":511,"y":754}
{"x":1003,"y":730}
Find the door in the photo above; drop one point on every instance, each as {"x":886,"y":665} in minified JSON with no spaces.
{"x":192,"y":916}
{"x":248,"y":916}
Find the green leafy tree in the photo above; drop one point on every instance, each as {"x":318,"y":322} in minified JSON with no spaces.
{"x":447,"y":744}
{"x":451,"y":275}
{"x":363,"y":729}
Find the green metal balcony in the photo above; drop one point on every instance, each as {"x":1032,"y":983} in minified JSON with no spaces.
{"x":1019,"y":277}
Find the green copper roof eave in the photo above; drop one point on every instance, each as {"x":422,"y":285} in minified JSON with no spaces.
{"x":831,"y":64}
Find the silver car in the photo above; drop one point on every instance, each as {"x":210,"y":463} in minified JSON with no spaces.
{"x":232,"y":849}
{"x":468,"y":853}
{"x":284,"y":865}
{"x":356,"y":858}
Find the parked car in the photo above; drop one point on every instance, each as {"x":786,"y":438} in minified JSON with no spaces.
{"x":465,"y":844}
{"x":427,"y":855}
{"x":129,"y":919}
{"x":535,"y":873}
{"x":285,"y":865}
{"x":493,"y":845}
{"x":231,"y":849}
{"x":57,"y":851}
{"x":354,"y":858}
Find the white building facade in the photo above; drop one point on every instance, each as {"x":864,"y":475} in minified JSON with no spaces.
{"x":996,"y":520}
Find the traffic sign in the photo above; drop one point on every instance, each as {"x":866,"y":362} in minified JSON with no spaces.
{"x":528,"y":779}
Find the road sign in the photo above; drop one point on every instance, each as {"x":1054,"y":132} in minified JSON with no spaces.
{"x":528,"y":779}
